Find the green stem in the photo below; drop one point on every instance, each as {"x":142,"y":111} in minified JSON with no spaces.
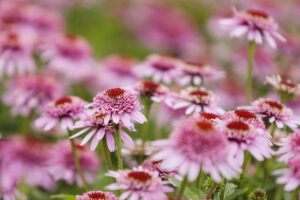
{"x":200,"y":179}
{"x":273,"y":129}
{"x":222,"y":197}
{"x":145,"y":128}
{"x":278,"y":194}
{"x":251,"y":50}
{"x":119,"y":147}
{"x":107,"y":154}
{"x":245,"y":166}
{"x":211,"y":190}
{"x":76,"y":161}
{"x":295,"y":195}
{"x":181,"y":188}
{"x":283,"y":98}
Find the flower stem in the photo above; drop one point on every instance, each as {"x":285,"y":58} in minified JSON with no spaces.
{"x":107,"y":154}
{"x":295,"y":195}
{"x":145,"y":129}
{"x":222,"y":197}
{"x":76,"y":161}
{"x":119,"y":147}
{"x":181,"y":188}
{"x":251,"y":50}
{"x":273,"y":129}
{"x":245,"y":166}
{"x":200,"y":179}
{"x":211,"y":190}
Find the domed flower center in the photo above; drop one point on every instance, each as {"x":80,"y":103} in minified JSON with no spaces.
{"x":258,"y":13}
{"x":205,"y":126}
{"x":245,"y":114}
{"x":199,"y":93}
{"x":274,"y":105}
{"x":209,"y":116}
{"x":79,"y":147}
{"x":288,"y":84}
{"x":98,"y":116}
{"x":115,"y":93}
{"x":195,"y":64}
{"x":62,"y":101}
{"x":97,"y":196}
{"x":140,"y":176}
{"x":163,"y":66}
{"x":238,"y":126}
{"x":150,"y":86}
{"x":71,"y":38}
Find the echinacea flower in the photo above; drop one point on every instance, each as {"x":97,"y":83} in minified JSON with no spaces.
{"x":243,"y":136}
{"x":198,"y":145}
{"x":196,"y":100}
{"x":25,"y":159}
{"x":162,"y":68}
{"x":257,"y":25}
{"x":96,"y":195}
{"x":27,"y":93}
{"x":274,"y":112}
{"x":139,"y":183}
{"x":70,"y":56}
{"x":62,"y":167}
{"x":291,"y":175}
{"x":63,"y":110}
{"x":93,"y":124}
{"x":137,"y":148}
{"x":15,"y":54}
{"x":156,"y":91}
{"x":154,"y":165}
{"x":289,"y":147}
{"x":283,"y":86}
{"x":120,"y":106}
{"x":194,"y":73}
{"x":208,"y":116}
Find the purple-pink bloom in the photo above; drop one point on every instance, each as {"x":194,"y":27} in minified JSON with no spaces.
{"x":289,"y":147}
{"x":92,"y":123}
{"x":257,"y":25}
{"x":120,"y":105}
{"x":29,"y":93}
{"x":62,"y":167}
{"x":274,"y":112}
{"x":196,"y":145}
{"x":139,"y":183}
{"x":63,"y":110}
{"x":161,"y":68}
{"x":243,"y":136}
{"x":157,"y":92}
{"x":196,"y":100}
{"x":96,"y":195}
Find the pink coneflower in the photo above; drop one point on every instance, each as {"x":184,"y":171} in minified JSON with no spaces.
{"x":96,"y":195}
{"x":157,"y":92}
{"x":139,"y":183}
{"x":62,"y":166}
{"x":243,"y":136}
{"x":198,"y":145}
{"x":196,"y":100}
{"x":63,"y":110}
{"x":93,"y":124}
{"x":208,"y":116}
{"x":15,"y":54}
{"x":162,"y":68}
{"x":289,"y":147}
{"x":283,"y":86}
{"x":257,"y":25}
{"x":154,"y":165}
{"x":137,"y":148}
{"x":274,"y":112}
{"x":194,"y":73}
{"x":120,"y":105}
{"x":291,"y":175}
{"x":26,"y":159}
{"x":69,"y":55}
{"x":29,"y":93}
{"x":246,"y":116}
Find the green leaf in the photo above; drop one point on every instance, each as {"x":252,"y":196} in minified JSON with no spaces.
{"x":236,"y":193}
{"x":64,"y":196}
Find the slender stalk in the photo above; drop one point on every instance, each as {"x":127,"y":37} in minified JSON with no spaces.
{"x":211,"y":190}
{"x":222,"y":197}
{"x":251,"y":50}
{"x":200,"y":179}
{"x":145,"y":128}
{"x":295,"y":195}
{"x":181,"y":188}
{"x":76,"y":161}
{"x":119,"y":147}
{"x":278,"y":194}
{"x":273,"y":129}
{"x":283,"y":99}
{"x":245,"y":166}
{"x":107,"y":154}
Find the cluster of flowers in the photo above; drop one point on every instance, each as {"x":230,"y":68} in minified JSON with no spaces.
{"x":206,"y":140}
